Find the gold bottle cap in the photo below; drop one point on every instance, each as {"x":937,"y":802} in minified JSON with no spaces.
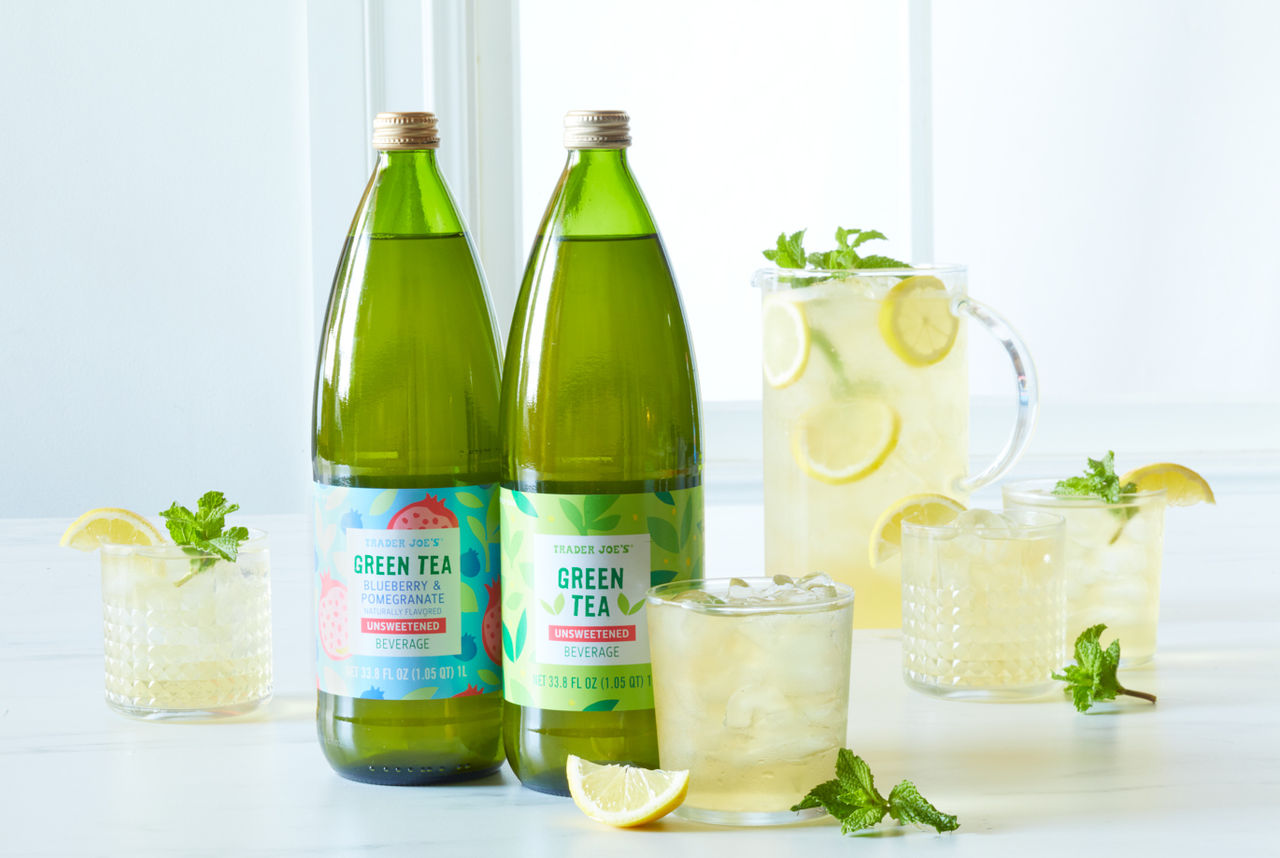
{"x":405,"y":130}
{"x":597,"y":129}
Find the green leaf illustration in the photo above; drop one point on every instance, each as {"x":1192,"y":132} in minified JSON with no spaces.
{"x":523,"y":504}
{"x":489,"y":677}
{"x":635,"y":609}
{"x":382,"y":502}
{"x":559,"y":604}
{"x":661,"y":576}
{"x":506,"y":642}
{"x":420,"y":694}
{"x":574,"y":515}
{"x":513,"y":599}
{"x":606,"y":524}
{"x":477,"y":528}
{"x":526,"y":573}
{"x":520,"y":633}
{"x":686,"y":524}
{"x":596,"y":506}
{"x":624,"y":603}
{"x":511,"y":545}
{"x":665,"y":497}
{"x":468,"y":499}
{"x":468,"y":598}
{"x":546,"y":607}
{"x":601,"y":706}
{"x":664,"y":535}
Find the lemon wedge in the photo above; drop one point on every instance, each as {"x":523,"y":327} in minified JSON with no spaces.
{"x":624,"y":796}
{"x":1182,"y":486}
{"x":844,"y":441}
{"x":886,"y":535}
{"x":785,"y":340}
{"x":916,"y":320}
{"x":109,"y":525}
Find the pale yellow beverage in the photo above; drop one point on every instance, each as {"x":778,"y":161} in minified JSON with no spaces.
{"x":983,"y":605}
{"x":857,"y":425}
{"x":186,"y":634}
{"x":1113,"y":556}
{"x":751,"y":691}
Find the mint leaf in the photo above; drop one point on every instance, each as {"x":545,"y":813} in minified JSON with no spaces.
{"x":1093,"y":676}
{"x":1099,"y":480}
{"x":852,"y":798}
{"x":205,"y":530}
{"x":906,"y":804}
{"x":789,"y":252}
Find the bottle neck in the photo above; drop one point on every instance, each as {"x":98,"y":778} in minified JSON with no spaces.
{"x":598,"y":196}
{"x":407,"y":196}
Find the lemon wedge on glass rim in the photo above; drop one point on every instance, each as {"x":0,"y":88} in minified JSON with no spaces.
{"x":1182,"y":486}
{"x":110,"y":526}
{"x":843,"y":441}
{"x":785,"y":339}
{"x":916,"y":321}
{"x":931,"y":509}
{"x":624,"y":796}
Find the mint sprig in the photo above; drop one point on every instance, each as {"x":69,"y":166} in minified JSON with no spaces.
{"x":852,"y":798}
{"x":1093,"y":676}
{"x":205,"y":531}
{"x":789,"y":252}
{"x":1099,"y":481}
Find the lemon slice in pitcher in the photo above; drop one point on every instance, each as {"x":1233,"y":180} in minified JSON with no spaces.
{"x":111,"y":526}
{"x":624,"y":796}
{"x":785,"y":339}
{"x":841,"y":442}
{"x":886,"y":535}
{"x":916,"y":320}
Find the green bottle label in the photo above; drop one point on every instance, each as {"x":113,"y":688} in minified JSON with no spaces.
{"x":575,"y":569}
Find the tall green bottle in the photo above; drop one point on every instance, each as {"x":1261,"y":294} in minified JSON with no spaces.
{"x":602,"y":466}
{"x":406,"y":459}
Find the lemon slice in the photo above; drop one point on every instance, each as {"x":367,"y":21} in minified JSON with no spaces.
{"x":624,"y":796}
{"x":1182,"y":486}
{"x":916,"y":320}
{"x":786,"y":341}
{"x":845,"y":441}
{"x":886,"y":535}
{"x":109,"y":525}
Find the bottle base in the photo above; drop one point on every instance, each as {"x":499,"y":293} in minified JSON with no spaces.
{"x":389,"y":773}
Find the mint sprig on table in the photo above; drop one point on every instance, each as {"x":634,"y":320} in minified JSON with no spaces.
{"x":853,"y":799}
{"x":789,"y":252}
{"x":1093,"y":676}
{"x":205,"y":530}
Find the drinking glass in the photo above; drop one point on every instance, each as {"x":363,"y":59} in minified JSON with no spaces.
{"x":983,"y":605}
{"x":866,"y":402}
{"x":751,"y":691}
{"x":186,"y":634}
{"x":1112,"y":560}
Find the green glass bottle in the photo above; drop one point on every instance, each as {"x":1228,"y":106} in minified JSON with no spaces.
{"x":406,"y":459}
{"x":602,"y":466}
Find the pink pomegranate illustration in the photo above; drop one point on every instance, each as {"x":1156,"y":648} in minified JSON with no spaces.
{"x":470,"y":691}
{"x":430,"y":513}
{"x":491,"y":625}
{"x":333,"y":618}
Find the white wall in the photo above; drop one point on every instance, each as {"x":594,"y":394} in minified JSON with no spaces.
{"x":156,"y":338}
{"x":1109,"y":171}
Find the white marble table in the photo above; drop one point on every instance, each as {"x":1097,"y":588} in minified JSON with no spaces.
{"x":1200,"y":771}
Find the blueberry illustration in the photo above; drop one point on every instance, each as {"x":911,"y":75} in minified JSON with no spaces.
{"x":470,"y":563}
{"x":468,"y":649}
{"x":374,"y":693}
{"x":351,"y":519}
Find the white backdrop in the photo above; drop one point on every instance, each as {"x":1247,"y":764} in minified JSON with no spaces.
{"x":177,"y":180}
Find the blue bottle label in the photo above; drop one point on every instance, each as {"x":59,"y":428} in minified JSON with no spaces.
{"x":406,"y":592}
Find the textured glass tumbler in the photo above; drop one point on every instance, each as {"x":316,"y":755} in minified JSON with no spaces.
{"x":752,"y":699}
{"x":983,"y":605}
{"x":186,"y":635}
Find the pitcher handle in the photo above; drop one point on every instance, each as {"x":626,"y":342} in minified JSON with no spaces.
{"x":1024,"y":371}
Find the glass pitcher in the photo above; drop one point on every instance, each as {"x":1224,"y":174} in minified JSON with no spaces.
{"x":866,"y":403}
